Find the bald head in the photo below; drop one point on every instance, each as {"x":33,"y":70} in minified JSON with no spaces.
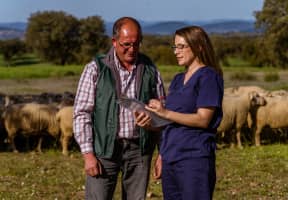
{"x":124,"y":22}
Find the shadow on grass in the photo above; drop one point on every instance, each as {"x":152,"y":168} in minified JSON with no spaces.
{"x":21,"y":61}
{"x":25,"y":60}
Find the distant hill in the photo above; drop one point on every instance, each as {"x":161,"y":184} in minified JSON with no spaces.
{"x":21,"y":26}
{"x":6,"y":34}
{"x":164,"y":28}
{"x":235,"y":26}
{"x":17,"y":29}
{"x":12,"y":30}
{"x":217,"y":26}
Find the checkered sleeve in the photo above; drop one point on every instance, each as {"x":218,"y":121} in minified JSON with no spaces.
{"x":83,"y":108}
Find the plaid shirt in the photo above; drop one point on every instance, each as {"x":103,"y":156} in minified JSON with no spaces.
{"x":84,"y":104}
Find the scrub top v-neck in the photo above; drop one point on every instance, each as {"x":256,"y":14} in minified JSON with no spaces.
{"x":203,"y":89}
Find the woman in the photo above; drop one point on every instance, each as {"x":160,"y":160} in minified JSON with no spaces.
{"x":194,"y":104}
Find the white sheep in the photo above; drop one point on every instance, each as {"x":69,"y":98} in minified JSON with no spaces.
{"x":235,"y":112}
{"x":277,"y":93}
{"x":30,"y":119}
{"x":273,"y":115}
{"x":65,"y":120}
{"x":239,"y":90}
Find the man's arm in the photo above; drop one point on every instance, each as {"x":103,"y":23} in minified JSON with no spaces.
{"x":82,"y":121}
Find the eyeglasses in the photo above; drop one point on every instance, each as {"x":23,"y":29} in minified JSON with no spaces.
{"x":127,"y":45}
{"x":180,"y":46}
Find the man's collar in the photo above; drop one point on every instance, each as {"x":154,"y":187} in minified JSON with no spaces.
{"x":118,"y":64}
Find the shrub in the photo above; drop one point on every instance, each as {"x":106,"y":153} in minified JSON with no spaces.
{"x":69,"y":73}
{"x":271,"y":76}
{"x":243,"y":76}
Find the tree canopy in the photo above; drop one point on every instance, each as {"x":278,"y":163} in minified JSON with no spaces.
{"x":63,"y":39}
{"x":11,"y":48}
{"x":273,"y":19}
{"x":93,"y":38}
{"x":53,"y":36}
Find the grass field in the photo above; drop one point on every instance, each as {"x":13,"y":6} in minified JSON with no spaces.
{"x":39,"y":71}
{"x":251,"y":173}
{"x":43,"y":77}
{"x":238,"y":72}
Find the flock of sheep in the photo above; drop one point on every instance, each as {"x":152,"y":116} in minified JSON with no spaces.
{"x":51,"y":114}
{"x":37,"y":115}
{"x":254,"y":108}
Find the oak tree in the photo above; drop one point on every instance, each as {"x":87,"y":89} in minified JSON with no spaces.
{"x":54,"y":36}
{"x":273,"y":20}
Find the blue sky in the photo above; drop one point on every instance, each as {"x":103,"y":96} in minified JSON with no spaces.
{"x":147,"y":10}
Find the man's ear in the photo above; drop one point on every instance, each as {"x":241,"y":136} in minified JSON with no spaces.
{"x":114,"y":42}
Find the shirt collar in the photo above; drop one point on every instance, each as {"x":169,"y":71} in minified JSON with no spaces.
{"x":118,"y":64}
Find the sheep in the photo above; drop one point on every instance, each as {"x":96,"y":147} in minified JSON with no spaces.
{"x":243,"y":89}
{"x":67,"y":98}
{"x":235,"y":112}
{"x":277,"y":93}
{"x":65,"y":120}
{"x":273,"y":115}
{"x":2,"y":99}
{"x":3,"y":133}
{"x":240,"y":90}
{"x":30,"y":119}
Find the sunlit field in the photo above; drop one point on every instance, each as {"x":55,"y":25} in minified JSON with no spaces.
{"x":250,"y":173}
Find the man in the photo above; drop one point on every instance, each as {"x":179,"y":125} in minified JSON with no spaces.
{"x":106,"y":132}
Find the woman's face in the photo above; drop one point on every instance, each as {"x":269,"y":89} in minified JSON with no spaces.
{"x":183,"y":52}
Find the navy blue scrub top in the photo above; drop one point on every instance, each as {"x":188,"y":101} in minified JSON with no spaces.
{"x":203,"y":89}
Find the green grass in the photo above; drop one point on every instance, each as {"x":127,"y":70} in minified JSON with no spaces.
{"x":251,"y":173}
{"x":237,"y":62}
{"x":26,"y":59}
{"x":46,"y":70}
{"x":234,"y":76}
{"x":168,"y":72}
{"x":247,"y":69}
{"x":239,"y":65}
{"x":39,"y":71}
{"x":29,"y":66}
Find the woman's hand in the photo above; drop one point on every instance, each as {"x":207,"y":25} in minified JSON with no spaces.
{"x":156,"y":106}
{"x":158,"y":167}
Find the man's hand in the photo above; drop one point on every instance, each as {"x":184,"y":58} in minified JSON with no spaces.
{"x":92,"y":165}
{"x":158,"y":167}
{"x":142,"y":119}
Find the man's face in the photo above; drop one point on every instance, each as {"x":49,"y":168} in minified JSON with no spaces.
{"x":127,"y":44}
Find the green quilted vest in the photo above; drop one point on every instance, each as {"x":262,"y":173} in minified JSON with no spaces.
{"x":105,"y":115}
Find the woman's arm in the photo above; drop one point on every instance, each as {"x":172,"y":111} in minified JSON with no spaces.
{"x":199,"y":119}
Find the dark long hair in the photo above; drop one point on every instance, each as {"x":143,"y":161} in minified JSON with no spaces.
{"x":200,"y":45}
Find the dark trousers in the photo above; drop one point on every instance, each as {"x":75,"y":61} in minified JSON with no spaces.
{"x":191,"y":179}
{"x":135,"y":173}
